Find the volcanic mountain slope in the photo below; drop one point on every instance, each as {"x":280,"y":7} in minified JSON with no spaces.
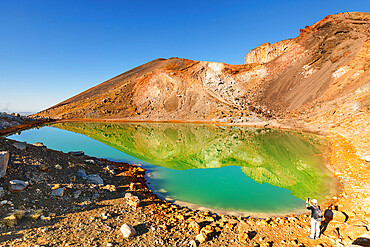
{"x":329,"y":60}
{"x":166,"y":89}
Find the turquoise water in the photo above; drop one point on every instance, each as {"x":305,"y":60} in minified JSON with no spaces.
{"x":228,"y":168}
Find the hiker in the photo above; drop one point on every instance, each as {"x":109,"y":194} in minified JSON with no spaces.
{"x":316,"y":217}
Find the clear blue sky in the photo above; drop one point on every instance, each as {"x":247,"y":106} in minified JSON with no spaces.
{"x":51,"y":50}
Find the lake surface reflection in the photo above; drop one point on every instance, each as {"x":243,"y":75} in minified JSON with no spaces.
{"x":231,"y":168}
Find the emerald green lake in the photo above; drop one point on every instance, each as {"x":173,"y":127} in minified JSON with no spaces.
{"x":236,"y":169}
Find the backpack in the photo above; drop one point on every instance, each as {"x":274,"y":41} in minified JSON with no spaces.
{"x":317,"y":213}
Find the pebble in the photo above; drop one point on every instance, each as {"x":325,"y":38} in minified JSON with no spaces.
{"x":58,"y":192}
{"x":104,"y":216}
{"x":193,"y":243}
{"x":76,"y":153}
{"x":43,"y":168}
{"x":38,"y":144}
{"x":110,"y":170}
{"x":3,"y":202}
{"x":17,"y":185}
{"x":110,"y":187}
{"x":81,"y":173}
{"x":133,"y":201}
{"x":34,"y":214}
{"x":95,"y":179}
{"x":20,"y":145}
{"x":367,"y":158}
{"x":2,"y":192}
{"x":201,"y":238}
{"x":77,"y":193}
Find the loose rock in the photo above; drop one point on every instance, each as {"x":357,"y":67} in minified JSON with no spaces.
{"x":58,"y":192}
{"x":2,"y":192}
{"x":17,"y":185}
{"x":109,"y":187}
{"x":367,"y":158}
{"x":82,"y":174}
{"x":95,"y":179}
{"x":133,"y":201}
{"x":110,"y":170}
{"x":134,"y":186}
{"x":193,"y":243}
{"x":39,"y":144}
{"x":195,"y":226}
{"x":4,"y":159}
{"x":207,"y":230}
{"x":127,"y":230}
{"x":34,"y":215}
{"x":12,"y":219}
{"x":201,"y":238}
{"x":20,"y":145}
{"x":43,"y":168}
{"x":334,"y":215}
{"x":76,"y":153}
{"x":77,"y":193}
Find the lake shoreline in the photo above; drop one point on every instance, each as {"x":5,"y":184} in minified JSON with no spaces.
{"x":296,"y":222}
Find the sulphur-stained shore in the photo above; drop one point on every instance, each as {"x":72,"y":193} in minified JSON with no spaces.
{"x":59,"y":207}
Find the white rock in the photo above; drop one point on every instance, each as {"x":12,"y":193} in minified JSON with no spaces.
{"x":127,"y":230}
{"x":104,"y":216}
{"x":366,"y":158}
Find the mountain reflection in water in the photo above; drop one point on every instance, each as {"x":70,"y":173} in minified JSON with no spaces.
{"x":286,"y":159}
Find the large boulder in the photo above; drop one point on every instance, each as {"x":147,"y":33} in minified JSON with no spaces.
{"x":4,"y":159}
{"x":334,"y":215}
{"x":352,"y":231}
